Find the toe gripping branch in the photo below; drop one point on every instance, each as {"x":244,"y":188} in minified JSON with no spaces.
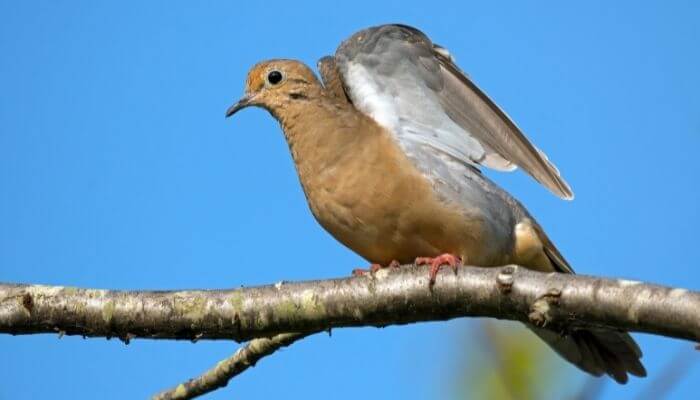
{"x":374,"y":268}
{"x":438,"y":262}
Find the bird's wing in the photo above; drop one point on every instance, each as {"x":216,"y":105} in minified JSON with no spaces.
{"x":397,"y":76}
{"x":331,"y":78}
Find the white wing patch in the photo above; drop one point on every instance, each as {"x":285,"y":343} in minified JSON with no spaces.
{"x":414,"y":115}
{"x":395,"y":75}
{"x":371,"y":101}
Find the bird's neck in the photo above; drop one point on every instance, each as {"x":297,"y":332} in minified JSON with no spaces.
{"x":319,"y":132}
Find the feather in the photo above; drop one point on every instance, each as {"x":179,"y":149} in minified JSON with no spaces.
{"x":398,"y":77}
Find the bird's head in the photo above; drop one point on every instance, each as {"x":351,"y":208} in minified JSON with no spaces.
{"x":275,"y":84}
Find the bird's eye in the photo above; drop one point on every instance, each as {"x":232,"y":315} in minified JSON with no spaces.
{"x":274,"y":77}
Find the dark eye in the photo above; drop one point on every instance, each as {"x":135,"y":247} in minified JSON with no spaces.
{"x":274,"y":77}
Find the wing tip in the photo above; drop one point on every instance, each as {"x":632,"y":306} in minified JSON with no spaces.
{"x":562,"y":190}
{"x":569,"y":196}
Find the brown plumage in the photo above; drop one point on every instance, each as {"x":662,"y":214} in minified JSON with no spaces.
{"x":359,"y":184}
{"x":388,"y":199}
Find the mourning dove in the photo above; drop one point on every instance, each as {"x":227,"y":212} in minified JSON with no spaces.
{"x":388,"y":151}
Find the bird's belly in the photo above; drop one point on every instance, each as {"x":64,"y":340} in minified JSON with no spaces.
{"x":385,"y":213}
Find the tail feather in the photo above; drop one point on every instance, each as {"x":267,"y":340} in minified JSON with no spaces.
{"x":597,"y":351}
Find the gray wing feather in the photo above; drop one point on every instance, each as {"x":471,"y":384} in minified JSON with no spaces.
{"x":472,"y":109}
{"x":396,"y":75}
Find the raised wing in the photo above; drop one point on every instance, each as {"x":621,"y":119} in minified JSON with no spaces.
{"x":397,"y":76}
{"x":331,"y":77}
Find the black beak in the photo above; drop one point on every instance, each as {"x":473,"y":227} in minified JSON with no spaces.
{"x":242,"y":103}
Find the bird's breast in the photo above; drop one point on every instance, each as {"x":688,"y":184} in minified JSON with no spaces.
{"x":371,"y":198}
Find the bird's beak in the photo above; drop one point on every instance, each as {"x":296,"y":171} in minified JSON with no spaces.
{"x":244,"y":102}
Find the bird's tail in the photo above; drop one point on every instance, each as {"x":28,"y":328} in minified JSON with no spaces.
{"x":597,"y":351}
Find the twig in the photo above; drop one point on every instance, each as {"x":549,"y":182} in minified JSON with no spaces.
{"x":219,"y":376}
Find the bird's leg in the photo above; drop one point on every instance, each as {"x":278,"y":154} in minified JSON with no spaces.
{"x":364,"y":271}
{"x":438,"y":262}
{"x":374,"y":268}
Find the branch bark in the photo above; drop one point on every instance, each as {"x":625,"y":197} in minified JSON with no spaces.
{"x":390,"y":296}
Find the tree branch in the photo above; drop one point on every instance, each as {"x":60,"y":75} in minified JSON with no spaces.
{"x":219,"y":376}
{"x":391,"y":296}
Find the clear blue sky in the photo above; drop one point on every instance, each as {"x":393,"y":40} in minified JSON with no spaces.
{"x":118,"y":170}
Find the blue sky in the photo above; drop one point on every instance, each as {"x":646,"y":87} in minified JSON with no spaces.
{"x":118,"y":170}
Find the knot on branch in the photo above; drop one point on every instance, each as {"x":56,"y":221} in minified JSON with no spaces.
{"x":505,"y":278}
{"x":541,"y":308}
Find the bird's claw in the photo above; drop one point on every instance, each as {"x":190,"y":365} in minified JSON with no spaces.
{"x":374,"y":268}
{"x":360,"y":272}
{"x":438,"y":262}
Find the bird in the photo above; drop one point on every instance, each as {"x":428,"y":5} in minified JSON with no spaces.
{"x":389,"y":147}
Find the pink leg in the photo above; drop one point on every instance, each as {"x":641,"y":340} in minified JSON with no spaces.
{"x":438,"y":262}
{"x":374,"y":268}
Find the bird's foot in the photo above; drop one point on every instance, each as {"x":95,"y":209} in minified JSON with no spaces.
{"x":374,"y":268}
{"x":438,"y":262}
